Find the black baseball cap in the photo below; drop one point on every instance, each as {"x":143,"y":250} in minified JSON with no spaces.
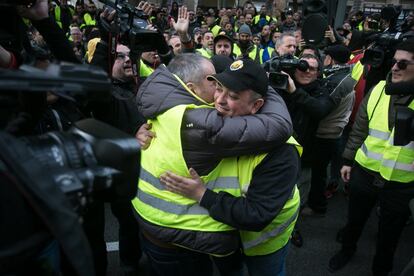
{"x":241,"y":75}
{"x":222,"y":35}
{"x":339,"y":53}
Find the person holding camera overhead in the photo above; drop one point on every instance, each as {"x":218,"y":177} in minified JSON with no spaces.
{"x":377,"y":170}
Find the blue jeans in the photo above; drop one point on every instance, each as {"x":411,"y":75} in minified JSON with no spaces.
{"x":268,"y":265}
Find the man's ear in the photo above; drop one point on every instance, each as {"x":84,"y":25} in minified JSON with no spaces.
{"x":257,"y":105}
{"x":190,"y":85}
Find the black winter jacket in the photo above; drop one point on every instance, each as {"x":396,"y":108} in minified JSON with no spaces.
{"x":307,"y":106}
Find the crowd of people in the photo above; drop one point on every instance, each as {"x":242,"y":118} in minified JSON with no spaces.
{"x":230,"y":162}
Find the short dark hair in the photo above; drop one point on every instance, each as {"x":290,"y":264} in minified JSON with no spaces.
{"x":308,"y":56}
{"x":406,"y":45}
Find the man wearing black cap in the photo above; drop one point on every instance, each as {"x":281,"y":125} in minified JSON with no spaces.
{"x":341,"y":86}
{"x":270,"y":202}
{"x":206,"y":137}
{"x":223,"y":45}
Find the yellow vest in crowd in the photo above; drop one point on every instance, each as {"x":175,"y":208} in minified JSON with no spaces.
{"x":144,"y":70}
{"x":215,"y":30}
{"x":377,"y":153}
{"x":205,"y":52}
{"x":276,"y":235}
{"x":256,"y":54}
{"x":163,"y":208}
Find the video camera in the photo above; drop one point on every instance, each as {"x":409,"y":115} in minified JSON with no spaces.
{"x":57,"y":174}
{"x":382,"y":49}
{"x":132,"y":24}
{"x":287,"y":64}
{"x":404,"y":122}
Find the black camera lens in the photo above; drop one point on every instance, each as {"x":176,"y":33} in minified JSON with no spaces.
{"x":303,"y":65}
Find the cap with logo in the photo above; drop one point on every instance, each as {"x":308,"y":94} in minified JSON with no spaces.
{"x":242,"y":75}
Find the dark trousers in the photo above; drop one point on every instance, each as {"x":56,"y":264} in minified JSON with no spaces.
{"x":176,"y":261}
{"x":336,"y":162}
{"x":94,"y":227}
{"x":393,"y":198}
{"x":129,"y":241}
{"x":323,"y":152}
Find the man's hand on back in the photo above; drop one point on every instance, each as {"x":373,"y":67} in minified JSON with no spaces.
{"x":144,"y":136}
{"x":193,"y":187}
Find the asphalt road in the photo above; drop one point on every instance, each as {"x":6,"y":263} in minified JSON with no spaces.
{"x":319,"y":245}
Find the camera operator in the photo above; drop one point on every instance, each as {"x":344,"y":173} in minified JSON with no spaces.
{"x":308,"y":101}
{"x":377,"y":169}
{"x":341,"y":86}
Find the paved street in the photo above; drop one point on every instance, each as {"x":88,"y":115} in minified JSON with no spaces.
{"x":319,"y":244}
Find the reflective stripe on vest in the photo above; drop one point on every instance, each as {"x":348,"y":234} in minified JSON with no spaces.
{"x":204,"y":52}
{"x":273,"y":233}
{"x":163,"y":208}
{"x":378,"y":153}
{"x":276,"y":235}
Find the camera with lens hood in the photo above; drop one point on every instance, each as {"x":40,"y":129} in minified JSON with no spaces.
{"x":288,"y":64}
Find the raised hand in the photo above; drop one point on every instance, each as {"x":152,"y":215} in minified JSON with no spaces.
{"x":181,"y":26}
{"x":144,"y":136}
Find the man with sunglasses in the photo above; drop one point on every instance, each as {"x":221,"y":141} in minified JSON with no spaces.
{"x":379,"y":171}
{"x":341,"y":86}
{"x":308,"y":101}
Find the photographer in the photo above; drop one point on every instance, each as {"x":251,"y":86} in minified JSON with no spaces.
{"x":308,"y":101}
{"x":341,"y":86}
{"x":377,"y":169}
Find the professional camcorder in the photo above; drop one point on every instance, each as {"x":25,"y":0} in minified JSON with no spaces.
{"x":382,"y":48}
{"x":286,"y":64}
{"x":48,"y":180}
{"x":132,"y":24}
{"x":404,"y":120}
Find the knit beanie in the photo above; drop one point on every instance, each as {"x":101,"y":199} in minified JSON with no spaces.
{"x":245,"y":29}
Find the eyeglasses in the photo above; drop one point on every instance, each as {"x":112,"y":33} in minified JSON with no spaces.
{"x":310,"y":69}
{"x":401,"y":64}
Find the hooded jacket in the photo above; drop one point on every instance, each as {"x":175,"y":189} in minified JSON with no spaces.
{"x":207,"y":136}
